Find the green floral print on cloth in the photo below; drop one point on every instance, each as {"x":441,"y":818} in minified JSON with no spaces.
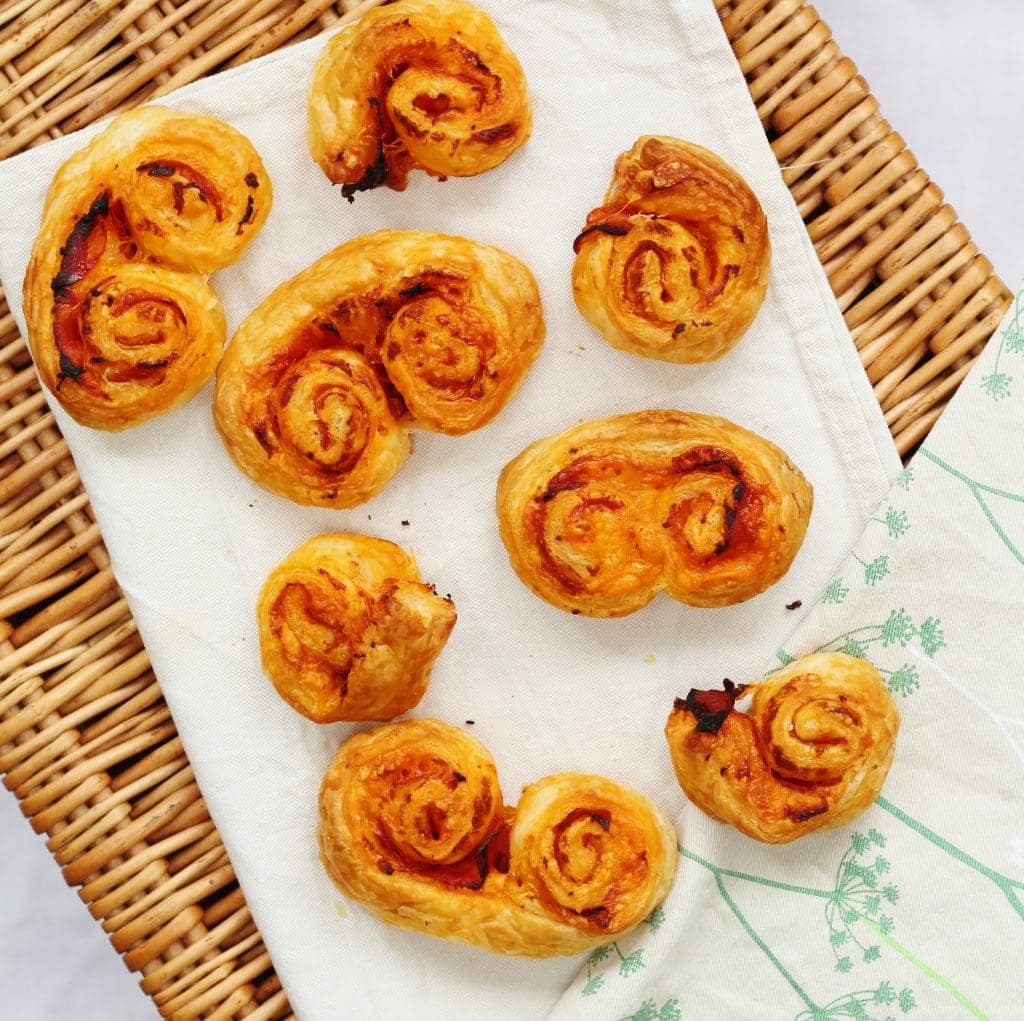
{"x":917,"y":908}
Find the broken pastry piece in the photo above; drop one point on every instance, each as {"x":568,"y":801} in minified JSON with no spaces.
{"x":811,"y":753}
{"x":348,"y":631}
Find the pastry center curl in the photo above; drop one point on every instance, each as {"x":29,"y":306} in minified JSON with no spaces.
{"x":323,"y":411}
{"x":814,"y":732}
{"x":439,"y":342}
{"x":317,"y":621}
{"x":431,"y":813}
{"x":590,"y":527}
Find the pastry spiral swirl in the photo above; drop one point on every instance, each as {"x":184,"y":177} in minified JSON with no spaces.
{"x":600,"y":518}
{"x":318,"y":389}
{"x":348,"y":631}
{"x":421,"y":83}
{"x":121,"y":320}
{"x":674,"y":265}
{"x":811,"y":753}
{"x":414,"y":827}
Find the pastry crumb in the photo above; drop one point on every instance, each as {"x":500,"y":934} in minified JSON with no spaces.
{"x":650,"y":658}
{"x":795,"y":605}
{"x":341,"y":908}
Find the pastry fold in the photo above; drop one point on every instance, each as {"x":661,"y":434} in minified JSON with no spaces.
{"x":674,"y":264}
{"x":811,"y":753}
{"x":121,"y":320}
{"x":319,"y":387}
{"x":347,"y":629}
{"x":420,"y":83}
{"x":600,"y":518}
{"x":414,"y":827}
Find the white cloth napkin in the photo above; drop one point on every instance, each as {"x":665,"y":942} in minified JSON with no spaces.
{"x":192,"y":539}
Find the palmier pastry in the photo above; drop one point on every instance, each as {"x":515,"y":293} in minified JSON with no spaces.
{"x":600,"y":518}
{"x":421,"y":83}
{"x":414,"y":827}
{"x":318,"y":389}
{"x":348,"y":631}
{"x":811,"y":753}
{"x":121,"y":320}
{"x":674,"y":265}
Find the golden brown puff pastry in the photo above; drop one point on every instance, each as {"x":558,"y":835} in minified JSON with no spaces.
{"x":600,"y":518}
{"x":121,"y":320}
{"x":319,"y":387}
{"x":674,"y":265}
{"x":348,"y":631}
{"x":811,"y":753}
{"x":413,"y":826}
{"x":421,"y":83}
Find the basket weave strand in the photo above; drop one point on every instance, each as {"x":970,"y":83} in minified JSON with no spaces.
{"x":87,"y":744}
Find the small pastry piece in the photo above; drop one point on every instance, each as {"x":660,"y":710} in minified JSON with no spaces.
{"x":674,"y":265}
{"x":348,"y":631}
{"x":320,"y":385}
{"x":420,"y":83}
{"x":811,"y":753}
{"x":121,"y":320}
{"x":600,"y":518}
{"x":414,"y":827}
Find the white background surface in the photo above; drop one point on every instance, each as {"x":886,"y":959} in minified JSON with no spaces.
{"x":948,"y":78}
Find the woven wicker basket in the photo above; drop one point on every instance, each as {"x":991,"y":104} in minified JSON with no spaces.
{"x":87,"y":744}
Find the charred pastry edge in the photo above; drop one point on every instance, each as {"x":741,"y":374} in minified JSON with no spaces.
{"x":68,"y":277}
{"x":378,"y":171}
{"x":606,"y":227}
{"x":250,"y":209}
{"x":710,"y":707}
{"x":62,"y":283}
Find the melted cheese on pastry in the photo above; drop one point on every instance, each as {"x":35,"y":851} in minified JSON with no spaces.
{"x":122,"y":322}
{"x":347,"y":629}
{"x":811,"y":753}
{"x":600,"y":518}
{"x":674,"y":264}
{"x":413,"y":825}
